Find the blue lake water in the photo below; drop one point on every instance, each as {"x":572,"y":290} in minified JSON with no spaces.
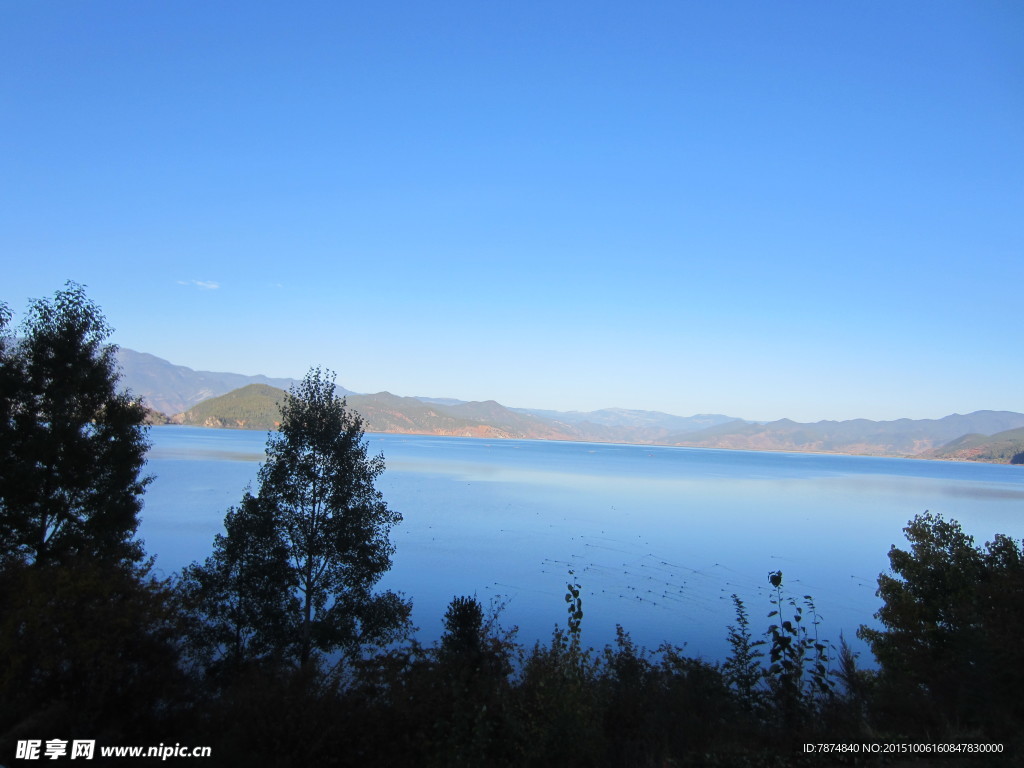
{"x":658,"y":537}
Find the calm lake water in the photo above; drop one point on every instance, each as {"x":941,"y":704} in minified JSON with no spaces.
{"x":659,"y":537}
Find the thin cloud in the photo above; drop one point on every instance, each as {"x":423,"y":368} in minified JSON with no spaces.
{"x":202,"y":285}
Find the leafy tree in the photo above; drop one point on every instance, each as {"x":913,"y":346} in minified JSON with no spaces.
{"x":463,"y":629}
{"x":319,"y":480}
{"x":953,"y":616}
{"x":71,"y":446}
{"x":470,"y":687}
{"x":88,"y":639}
{"x":295,"y":570}
{"x":473,"y":646}
{"x":243,"y":595}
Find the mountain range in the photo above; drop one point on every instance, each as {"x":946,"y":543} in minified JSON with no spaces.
{"x":171,"y":389}
{"x":214,"y":399}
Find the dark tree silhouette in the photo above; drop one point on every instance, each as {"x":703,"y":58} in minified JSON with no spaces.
{"x":952,"y":616}
{"x":295,"y":570}
{"x":243,"y":595}
{"x":88,"y":638}
{"x":71,"y":446}
{"x":463,"y":628}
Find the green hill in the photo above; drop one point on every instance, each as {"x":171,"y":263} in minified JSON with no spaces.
{"x":251,"y":407}
{"x":255,"y":407}
{"x":1000,"y":447}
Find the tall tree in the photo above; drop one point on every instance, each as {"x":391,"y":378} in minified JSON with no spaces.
{"x":952,"y":618}
{"x":243,"y":595}
{"x":320,"y":526}
{"x":73,"y":447}
{"x":88,"y":639}
{"x":320,"y":480}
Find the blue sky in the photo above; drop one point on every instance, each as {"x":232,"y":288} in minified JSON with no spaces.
{"x":794,"y":209}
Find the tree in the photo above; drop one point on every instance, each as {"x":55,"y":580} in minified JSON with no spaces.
{"x":953,"y":614}
{"x":469,"y":690}
{"x":243,"y":595}
{"x":314,"y":539}
{"x":87,"y":638}
{"x":463,"y":629}
{"x":71,"y":446}
{"x":475,"y":654}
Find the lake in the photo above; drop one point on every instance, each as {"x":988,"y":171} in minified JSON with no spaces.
{"x":659,"y":537}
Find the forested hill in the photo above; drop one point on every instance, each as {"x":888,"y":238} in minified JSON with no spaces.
{"x":253,"y":406}
{"x":1001,"y":447}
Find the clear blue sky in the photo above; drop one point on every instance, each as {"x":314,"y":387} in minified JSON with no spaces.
{"x":801,"y":209}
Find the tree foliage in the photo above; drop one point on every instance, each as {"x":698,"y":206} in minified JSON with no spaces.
{"x":71,"y":446}
{"x":319,"y":479}
{"x":243,"y":595}
{"x":88,"y":638}
{"x":463,"y":629}
{"x":953,"y":615}
{"x":294,"y":573}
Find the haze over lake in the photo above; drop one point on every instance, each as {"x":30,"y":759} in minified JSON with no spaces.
{"x":658,"y":537}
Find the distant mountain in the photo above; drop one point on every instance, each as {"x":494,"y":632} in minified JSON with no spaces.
{"x":1000,"y":447}
{"x":902,"y":437}
{"x":441,"y":400}
{"x":622,"y":417}
{"x":171,"y":389}
{"x":249,"y":402}
{"x":255,"y":407}
{"x":176,"y":389}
